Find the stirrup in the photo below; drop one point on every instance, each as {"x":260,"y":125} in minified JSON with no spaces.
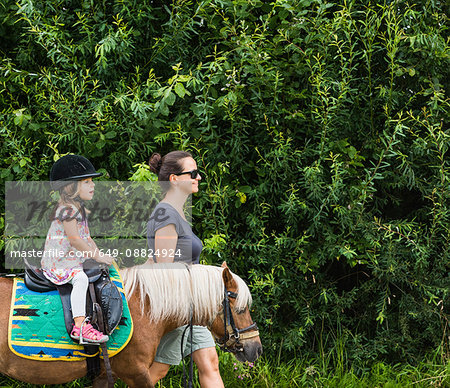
{"x":85,"y":340}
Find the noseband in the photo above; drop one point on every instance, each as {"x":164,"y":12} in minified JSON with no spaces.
{"x":230,"y":342}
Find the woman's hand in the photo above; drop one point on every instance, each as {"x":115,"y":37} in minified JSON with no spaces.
{"x":105,"y":259}
{"x":89,"y":248}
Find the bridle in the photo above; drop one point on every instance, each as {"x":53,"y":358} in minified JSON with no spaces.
{"x":230,"y":342}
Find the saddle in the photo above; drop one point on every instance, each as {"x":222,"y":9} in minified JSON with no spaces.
{"x":103,"y":303}
{"x":103,"y":296}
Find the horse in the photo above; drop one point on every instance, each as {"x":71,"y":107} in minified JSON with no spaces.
{"x":161,"y":297}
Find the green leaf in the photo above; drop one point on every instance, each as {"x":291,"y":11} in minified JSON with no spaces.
{"x":5,"y":173}
{"x":18,"y":120}
{"x":197,"y":109}
{"x":110,"y":134}
{"x":170,"y":99}
{"x":179,"y":90}
{"x":232,"y":96}
{"x":157,"y":123}
{"x":352,"y":152}
{"x":34,"y":126}
{"x":164,"y":109}
{"x":245,"y":189}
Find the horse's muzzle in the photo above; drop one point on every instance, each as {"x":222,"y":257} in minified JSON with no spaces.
{"x":250,"y":352}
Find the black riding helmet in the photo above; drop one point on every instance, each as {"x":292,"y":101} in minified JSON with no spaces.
{"x":71,"y":168}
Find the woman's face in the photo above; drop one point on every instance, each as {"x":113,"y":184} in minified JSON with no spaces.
{"x":185,"y":180}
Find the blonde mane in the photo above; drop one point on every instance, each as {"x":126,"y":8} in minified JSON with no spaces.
{"x":172,"y":288}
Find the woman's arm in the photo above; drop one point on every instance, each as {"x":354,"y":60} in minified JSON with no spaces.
{"x":70,"y":227}
{"x":165,"y":243}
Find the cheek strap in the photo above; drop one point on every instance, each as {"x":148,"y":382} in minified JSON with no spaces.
{"x":233,"y":335}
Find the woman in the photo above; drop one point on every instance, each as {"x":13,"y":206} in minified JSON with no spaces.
{"x":170,"y":238}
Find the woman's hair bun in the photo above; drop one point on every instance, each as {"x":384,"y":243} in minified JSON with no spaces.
{"x":155,"y":163}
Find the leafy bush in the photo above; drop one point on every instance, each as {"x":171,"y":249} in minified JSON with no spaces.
{"x":319,"y":126}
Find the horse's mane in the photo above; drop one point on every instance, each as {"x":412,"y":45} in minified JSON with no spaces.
{"x":171,"y":290}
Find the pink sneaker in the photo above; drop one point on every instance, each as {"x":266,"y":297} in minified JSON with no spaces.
{"x":90,"y":335}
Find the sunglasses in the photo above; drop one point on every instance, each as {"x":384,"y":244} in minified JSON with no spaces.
{"x":193,"y":173}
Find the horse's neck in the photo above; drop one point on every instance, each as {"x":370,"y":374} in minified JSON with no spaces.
{"x":167,"y":298}
{"x":174,"y":322}
{"x":196,"y":322}
{"x":167,"y":325}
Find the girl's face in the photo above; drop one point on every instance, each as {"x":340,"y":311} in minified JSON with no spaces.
{"x":185,"y":180}
{"x":86,"y":189}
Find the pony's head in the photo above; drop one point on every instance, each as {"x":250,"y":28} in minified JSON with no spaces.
{"x":233,"y":328}
{"x":215,"y":297}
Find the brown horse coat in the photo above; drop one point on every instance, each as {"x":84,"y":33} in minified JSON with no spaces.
{"x":131,"y":365}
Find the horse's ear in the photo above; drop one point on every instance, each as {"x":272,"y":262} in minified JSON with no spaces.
{"x":224,"y":265}
{"x":227,"y":276}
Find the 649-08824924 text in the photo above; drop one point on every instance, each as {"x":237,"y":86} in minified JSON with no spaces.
{"x":140,"y":252}
{"x":101,"y":252}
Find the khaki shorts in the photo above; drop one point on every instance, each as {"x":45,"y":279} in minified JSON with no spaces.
{"x":169,"y":349}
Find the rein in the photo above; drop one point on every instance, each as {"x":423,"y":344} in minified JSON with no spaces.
{"x":230,"y":342}
{"x":189,"y":327}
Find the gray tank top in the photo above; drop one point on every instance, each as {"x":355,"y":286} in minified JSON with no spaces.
{"x":188,"y":246}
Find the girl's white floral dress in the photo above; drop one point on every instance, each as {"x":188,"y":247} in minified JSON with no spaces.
{"x":61,"y":261}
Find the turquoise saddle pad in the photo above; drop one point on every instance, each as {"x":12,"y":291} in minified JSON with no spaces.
{"x":37,"y":331}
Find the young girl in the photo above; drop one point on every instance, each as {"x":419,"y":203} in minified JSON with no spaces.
{"x":68,"y":242}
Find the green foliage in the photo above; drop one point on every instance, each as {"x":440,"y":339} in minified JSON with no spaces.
{"x":310,"y":372}
{"x":320,"y":129}
{"x":301,"y":372}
